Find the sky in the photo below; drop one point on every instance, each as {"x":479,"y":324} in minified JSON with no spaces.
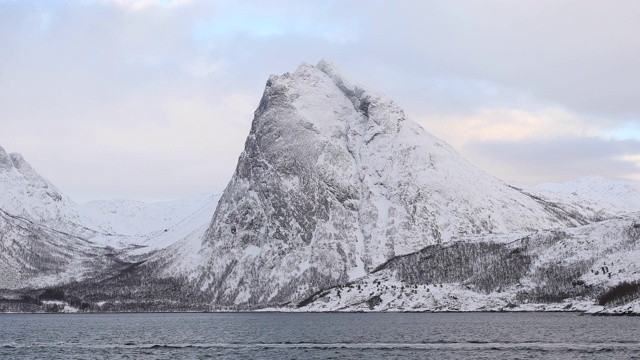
{"x":152,"y":99}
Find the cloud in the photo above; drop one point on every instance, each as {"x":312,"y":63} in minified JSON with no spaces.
{"x":511,"y":124}
{"x":541,"y":145}
{"x":268,"y":19}
{"x":634,"y":159}
{"x":556,"y":159}
{"x":90,"y":91}
{"x":140,"y":5}
{"x":576,"y":53}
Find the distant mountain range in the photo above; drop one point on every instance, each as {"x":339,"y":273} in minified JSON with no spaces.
{"x":339,"y":202}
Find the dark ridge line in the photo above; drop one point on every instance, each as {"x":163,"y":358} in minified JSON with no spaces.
{"x":554,"y":208}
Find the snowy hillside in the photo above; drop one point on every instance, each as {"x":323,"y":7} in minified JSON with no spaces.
{"x":553,"y":270}
{"x":624,"y":193}
{"x":145,"y":226}
{"x":34,"y":255}
{"x":28,"y":195}
{"x":589,"y":209}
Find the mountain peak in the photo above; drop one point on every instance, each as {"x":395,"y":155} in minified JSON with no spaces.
{"x":29,"y":173}
{"x":18,"y":161}
{"x":335,"y":180}
{"x":340,"y":78}
{"x":5,"y":160}
{"x":15,"y":160}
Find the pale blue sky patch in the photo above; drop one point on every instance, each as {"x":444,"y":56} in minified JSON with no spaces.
{"x":264,"y":21}
{"x":205,"y":31}
{"x":46,"y":18}
{"x":39,"y":21}
{"x":629,"y":131}
{"x":208,"y":30}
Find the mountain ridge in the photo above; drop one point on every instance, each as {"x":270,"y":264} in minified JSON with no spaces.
{"x":625,"y":193}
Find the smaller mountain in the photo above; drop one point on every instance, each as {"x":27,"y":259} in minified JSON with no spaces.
{"x":117,"y":223}
{"x":591,"y":268}
{"x":623,"y":193}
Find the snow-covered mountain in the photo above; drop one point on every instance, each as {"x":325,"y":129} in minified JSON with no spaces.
{"x":118,"y":223}
{"x":47,"y":239}
{"x":28,"y":195}
{"x":622,"y":193}
{"x":335,"y":180}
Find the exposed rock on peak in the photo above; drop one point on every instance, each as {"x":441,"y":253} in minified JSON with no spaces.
{"x":5,"y":160}
{"x":18,"y":160}
{"x":32,"y":176}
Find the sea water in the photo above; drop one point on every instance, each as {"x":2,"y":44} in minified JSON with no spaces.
{"x":318,"y":336}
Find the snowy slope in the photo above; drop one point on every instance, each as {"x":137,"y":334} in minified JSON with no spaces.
{"x":148,"y":226}
{"x":556,"y":270}
{"x":34,"y":255}
{"x":623,"y":193}
{"x":335,"y":180}
{"x":589,"y":209}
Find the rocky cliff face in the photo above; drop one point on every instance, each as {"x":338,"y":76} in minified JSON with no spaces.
{"x":335,"y":180}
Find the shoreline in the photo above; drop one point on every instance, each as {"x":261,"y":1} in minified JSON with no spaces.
{"x":578,"y":312}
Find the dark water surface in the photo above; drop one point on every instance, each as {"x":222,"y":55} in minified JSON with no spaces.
{"x":318,"y":336}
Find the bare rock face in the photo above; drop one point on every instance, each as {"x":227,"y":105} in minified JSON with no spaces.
{"x":334,"y":181}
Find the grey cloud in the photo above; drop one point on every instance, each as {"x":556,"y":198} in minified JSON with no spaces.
{"x":69,"y":68}
{"x":575,"y":54}
{"x":557,"y":159}
{"x":579,"y":54}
